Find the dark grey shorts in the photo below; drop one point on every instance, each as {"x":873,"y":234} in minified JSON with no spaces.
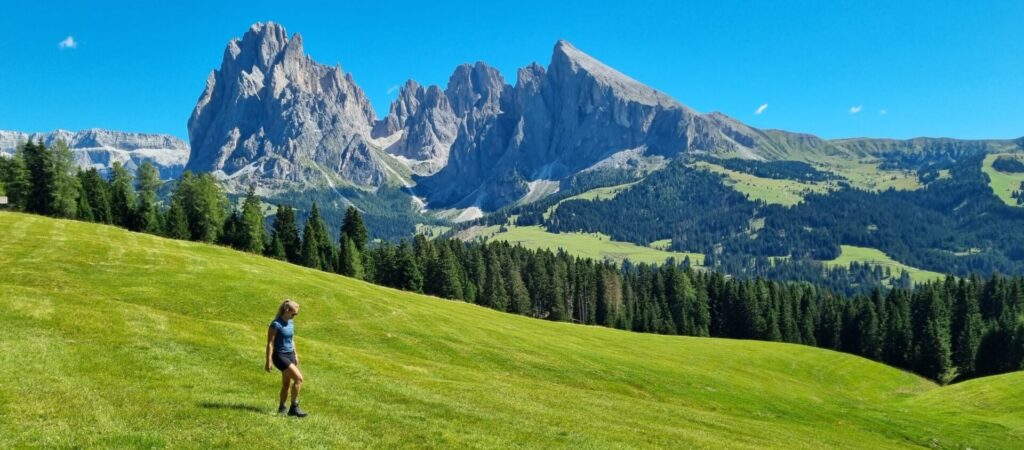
{"x":283,"y":360}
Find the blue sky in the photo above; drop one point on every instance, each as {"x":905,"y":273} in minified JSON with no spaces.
{"x":836,"y":69}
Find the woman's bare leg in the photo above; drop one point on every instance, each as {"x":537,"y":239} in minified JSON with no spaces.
{"x":296,"y":376}
{"x":285,"y":381}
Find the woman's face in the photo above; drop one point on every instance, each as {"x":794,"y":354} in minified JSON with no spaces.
{"x":292,"y":311}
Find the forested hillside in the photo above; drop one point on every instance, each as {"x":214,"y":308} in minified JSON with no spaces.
{"x":948,"y":331}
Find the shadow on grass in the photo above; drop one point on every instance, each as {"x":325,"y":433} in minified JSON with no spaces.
{"x":234,"y":406}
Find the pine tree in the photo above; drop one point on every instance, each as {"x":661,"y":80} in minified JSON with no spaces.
{"x":326,"y":256}
{"x":95,"y":189}
{"x":40,"y":167}
{"x":519,"y":296}
{"x":147,"y":208}
{"x":205,"y":205}
{"x":354,"y":227}
{"x":899,"y":336}
{"x":967,"y":328}
{"x":932,"y":346}
{"x":445,"y":270}
{"x":408,"y":276}
{"x":495,"y":294}
{"x":15,"y":178}
{"x":310,"y":256}
{"x":230,"y":233}
{"x":868,"y":328}
{"x":175,"y":223}
{"x":83,"y":211}
{"x":286,"y":236}
{"x":122,"y":196}
{"x":65,"y":188}
{"x":252,"y":233}
{"x":350,"y":260}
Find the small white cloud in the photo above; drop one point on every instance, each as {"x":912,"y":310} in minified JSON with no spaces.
{"x":760,"y":109}
{"x":883,"y":111}
{"x":68,"y":42}
{"x":856,"y":109}
{"x":392,"y":89}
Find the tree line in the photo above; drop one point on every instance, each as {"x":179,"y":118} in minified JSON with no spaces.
{"x":950,"y":330}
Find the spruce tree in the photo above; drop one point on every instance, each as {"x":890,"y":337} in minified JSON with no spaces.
{"x":230,"y":234}
{"x":286,"y":235}
{"x":65,"y":187}
{"x":967,"y":328}
{"x":95,"y":189}
{"x":310,"y":256}
{"x":350,"y":260}
{"x":205,"y":205}
{"x":407,"y":276}
{"x":446,"y":271}
{"x":519,"y":296}
{"x":122,"y":196}
{"x":252,"y":233}
{"x":175,"y":222}
{"x":147,"y":208}
{"x":40,"y":167}
{"x":325,"y":250}
{"x":15,"y":178}
{"x":354,"y":227}
{"x":83,"y":211}
{"x":495,"y":294}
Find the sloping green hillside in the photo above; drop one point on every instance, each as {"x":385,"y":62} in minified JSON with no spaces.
{"x":113,"y":338}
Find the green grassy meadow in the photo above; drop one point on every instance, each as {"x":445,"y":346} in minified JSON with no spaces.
{"x":875,"y":257}
{"x":1003,"y":184}
{"x":601,"y":193}
{"x":862,"y":174}
{"x":118,"y":339}
{"x":768,"y":190}
{"x":587,"y":245}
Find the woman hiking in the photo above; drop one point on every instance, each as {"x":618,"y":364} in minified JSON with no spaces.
{"x":282,"y":353}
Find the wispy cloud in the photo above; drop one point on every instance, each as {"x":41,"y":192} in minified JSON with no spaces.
{"x":883,"y":111}
{"x":760,"y":109}
{"x":68,"y":42}
{"x":392,"y":89}
{"x":856,"y":109}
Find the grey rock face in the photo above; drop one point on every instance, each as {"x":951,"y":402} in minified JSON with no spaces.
{"x":420,"y":128}
{"x":272,"y":115}
{"x":424,"y":123}
{"x":557,"y":122}
{"x":100,"y":149}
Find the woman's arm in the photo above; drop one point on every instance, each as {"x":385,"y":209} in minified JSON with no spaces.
{"x":271,"y":333}
{"x":295,"y":348}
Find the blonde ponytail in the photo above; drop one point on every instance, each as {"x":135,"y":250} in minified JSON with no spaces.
{"x":285,"y":305}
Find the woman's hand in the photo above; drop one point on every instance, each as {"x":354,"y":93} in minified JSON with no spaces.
{"x":267,"y":368}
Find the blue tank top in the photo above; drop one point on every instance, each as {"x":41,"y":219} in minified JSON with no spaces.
{"x":283,"y":338}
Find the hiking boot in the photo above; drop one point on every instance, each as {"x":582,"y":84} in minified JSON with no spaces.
{"x":281,"y":409}
{"x":296,"y":412}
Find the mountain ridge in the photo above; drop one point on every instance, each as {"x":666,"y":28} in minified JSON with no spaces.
{"x":271,"y":115}
{"x":100,"y":148}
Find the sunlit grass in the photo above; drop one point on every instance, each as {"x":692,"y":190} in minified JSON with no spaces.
{"x":117,"y":339}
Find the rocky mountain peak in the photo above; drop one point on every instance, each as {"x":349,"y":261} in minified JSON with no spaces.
{"x":477,"y":86}
{"x":272,"y":115}
{"x":568,"y":62}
